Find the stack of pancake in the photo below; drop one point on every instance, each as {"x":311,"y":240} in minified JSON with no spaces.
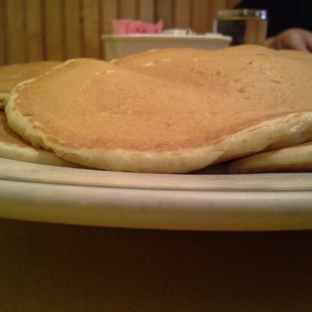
{"x":11,"y":75}
{"x":12,"y":145}
{"x":171,"y":110}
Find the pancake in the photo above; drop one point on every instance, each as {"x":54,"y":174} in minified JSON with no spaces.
{"x":252,"y":75}
{"x":187,"y":66}
{"x":11,"y":75}
{"x":290,"y":159}
{"x":201,"y":108}
{"x":12,"y":146}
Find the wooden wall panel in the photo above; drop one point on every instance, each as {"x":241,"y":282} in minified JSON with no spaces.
{"x":16,"y":37}
{"x":32,"y":30}
{"x":164,"y":11}
{"x":232,"y":3}
{"x":201,"y":18}
{"x":128,"y":9}
{"x":146,"y":10}
{"x":91,"y":29}
{"x":54,"y":30}
{"x":182,"y":13}
{"x":73,"y":29}
{"x":109,"y":12}
{"x":3,"y":35}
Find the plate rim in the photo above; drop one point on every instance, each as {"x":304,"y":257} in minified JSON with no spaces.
{"x":161,"y":208}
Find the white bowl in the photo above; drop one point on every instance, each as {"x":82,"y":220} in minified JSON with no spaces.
{"x":117,"y":46}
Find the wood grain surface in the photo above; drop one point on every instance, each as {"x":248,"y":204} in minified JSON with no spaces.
{"x":33,"y":30}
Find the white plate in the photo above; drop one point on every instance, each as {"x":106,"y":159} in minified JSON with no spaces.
{"x":117,"y":46}
{"x":155,"y":201}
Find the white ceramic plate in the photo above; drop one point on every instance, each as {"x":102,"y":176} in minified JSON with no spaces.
{"x":117,"y":46}
{"x":155,"y":201}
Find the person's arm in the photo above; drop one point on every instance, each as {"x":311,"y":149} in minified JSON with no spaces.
{"x":295,"y":39}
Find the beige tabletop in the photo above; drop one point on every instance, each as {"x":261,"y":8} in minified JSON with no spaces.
{"x":54,"y":267}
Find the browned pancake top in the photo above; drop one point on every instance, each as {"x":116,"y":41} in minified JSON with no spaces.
{"x":189,"y":99}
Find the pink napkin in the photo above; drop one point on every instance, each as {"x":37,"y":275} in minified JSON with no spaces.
{"x":128,"y":26}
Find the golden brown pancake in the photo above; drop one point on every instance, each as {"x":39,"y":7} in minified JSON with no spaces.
{"x":187,"y":66}
{"x":256,"y":73}
{"x":12,"y":146}
{"x":290,"y":159}
{"x":11,"y":75}
{"x":201,"y":108}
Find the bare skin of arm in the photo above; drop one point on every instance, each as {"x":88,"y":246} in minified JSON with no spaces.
{"x":294,"y":39}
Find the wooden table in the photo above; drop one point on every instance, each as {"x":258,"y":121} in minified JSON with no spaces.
{"x":53,"y":267}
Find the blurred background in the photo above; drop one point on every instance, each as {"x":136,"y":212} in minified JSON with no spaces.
{"x":33,"y":30}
